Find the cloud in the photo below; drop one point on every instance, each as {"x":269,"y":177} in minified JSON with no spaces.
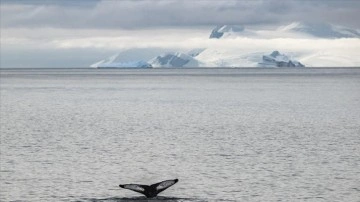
{"x":139,"y":14}
{"x":70,"y":3}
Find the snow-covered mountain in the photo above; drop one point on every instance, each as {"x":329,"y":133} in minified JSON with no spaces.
{"x":321,"y":30}
{"x":174,"y":60}
{"x":221,"y":31}
{"x":313,"y":44}
{"x":276,"y":59}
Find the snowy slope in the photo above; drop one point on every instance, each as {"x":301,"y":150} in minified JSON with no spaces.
{"x":109,"y":60}
{"x":195,"y":52}
{"x":251,"y":57}
{"x":239,"y":58}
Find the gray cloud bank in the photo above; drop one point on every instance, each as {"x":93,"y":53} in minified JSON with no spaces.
{"x":138,"y":14}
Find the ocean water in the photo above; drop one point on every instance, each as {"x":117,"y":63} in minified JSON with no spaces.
{"x":226,"y":134}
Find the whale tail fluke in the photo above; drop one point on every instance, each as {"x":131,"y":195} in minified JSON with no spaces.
{"x":152,"y":190}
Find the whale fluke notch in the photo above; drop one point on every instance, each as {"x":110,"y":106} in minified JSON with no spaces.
{"x":152,"y":190}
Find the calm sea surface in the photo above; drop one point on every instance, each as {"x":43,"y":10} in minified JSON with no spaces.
{"x":227,"y":134}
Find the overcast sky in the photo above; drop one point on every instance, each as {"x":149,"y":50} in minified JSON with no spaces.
{"x":60,"y":29}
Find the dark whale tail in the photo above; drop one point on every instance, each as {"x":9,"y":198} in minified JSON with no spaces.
{"x":152,"y":190}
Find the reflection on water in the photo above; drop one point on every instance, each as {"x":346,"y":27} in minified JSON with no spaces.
{"x":228,"y":135}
